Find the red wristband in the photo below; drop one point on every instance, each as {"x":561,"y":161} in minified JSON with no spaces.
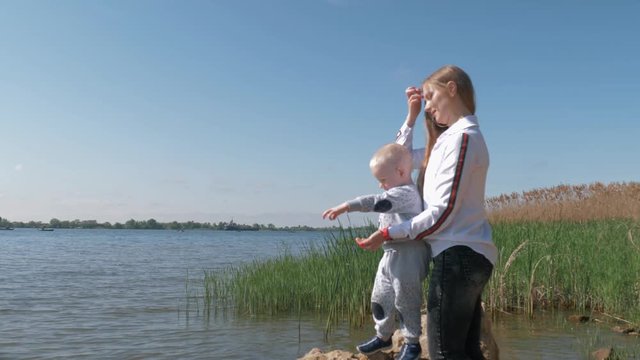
{"x":385,"y":234}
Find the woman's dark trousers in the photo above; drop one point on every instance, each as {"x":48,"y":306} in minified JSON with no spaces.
{"x":454,"y":312}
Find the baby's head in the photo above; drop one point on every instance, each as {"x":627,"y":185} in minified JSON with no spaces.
{"x":391,"y":165}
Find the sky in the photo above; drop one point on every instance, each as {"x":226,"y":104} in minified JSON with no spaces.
{"x":269,"y":111}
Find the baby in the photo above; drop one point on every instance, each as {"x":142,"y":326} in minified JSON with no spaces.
{"x":397,"y":290}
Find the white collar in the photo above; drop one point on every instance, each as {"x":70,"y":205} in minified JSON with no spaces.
{"x":462,"y":123}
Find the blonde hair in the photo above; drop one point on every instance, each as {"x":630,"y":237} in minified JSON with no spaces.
{"x":433,"y":133}
{"x":463,"y":82}
{"x":464,"y":89}
{"x":391,"y":154}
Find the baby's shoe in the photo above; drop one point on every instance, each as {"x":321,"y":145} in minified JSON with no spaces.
{"x":410,"y":352}
{"x":374,"y":345}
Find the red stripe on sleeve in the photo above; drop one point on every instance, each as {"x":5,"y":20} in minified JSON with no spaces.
{"x":454,"y":190}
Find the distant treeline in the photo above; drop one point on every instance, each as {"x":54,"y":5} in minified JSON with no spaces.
{"x":150,"y":224}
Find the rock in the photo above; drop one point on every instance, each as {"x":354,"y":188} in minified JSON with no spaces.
{"x":617,"y":329}
{"x":317,"y":354}
{"x":487,"y":344}
{"x":579,"y":318}
{"x":626,"y":330}
{"x":382,"y":355}
{"x":621,"y":330}
{"x":603,"y":354}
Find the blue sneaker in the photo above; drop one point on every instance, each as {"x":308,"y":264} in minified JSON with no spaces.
{"x":374,"y":345}
{"x":410,"y":352}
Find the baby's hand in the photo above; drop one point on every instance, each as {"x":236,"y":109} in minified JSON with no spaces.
{"x":372,"y":243}
{"x":333,"y":213}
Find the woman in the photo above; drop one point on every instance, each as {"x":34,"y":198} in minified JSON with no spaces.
{"x":454,"y":220}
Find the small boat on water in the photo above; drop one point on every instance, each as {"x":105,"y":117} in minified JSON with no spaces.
{"x":46,"y":229}
{"x":6,"y":228}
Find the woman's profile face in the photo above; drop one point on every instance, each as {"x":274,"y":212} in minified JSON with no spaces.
{"x":438,"y":104}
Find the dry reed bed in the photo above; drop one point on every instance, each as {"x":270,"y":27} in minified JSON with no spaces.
{"x":595,"y":201}
{"x":568,"y":246}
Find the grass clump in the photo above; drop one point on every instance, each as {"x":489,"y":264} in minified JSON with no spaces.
{"x":567,"y":265}
{"x":333,"y":279}
{"x":568,"y":247}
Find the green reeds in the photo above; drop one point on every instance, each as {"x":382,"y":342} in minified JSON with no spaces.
{"x":587,"y":266}
{"x":333,"y":280}
{"x":591,"y":266}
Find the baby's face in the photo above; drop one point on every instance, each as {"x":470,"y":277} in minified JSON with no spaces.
{"x":389,"y":176}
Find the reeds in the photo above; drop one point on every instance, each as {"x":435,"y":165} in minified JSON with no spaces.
{"x":567,"y":247}
{"x":580,"y":251}
{"x":595,"y":201}
{"x":567,"y":265}
{"x":334,"y":280}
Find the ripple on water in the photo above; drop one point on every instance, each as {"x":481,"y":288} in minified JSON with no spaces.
{"x":121,"y":294}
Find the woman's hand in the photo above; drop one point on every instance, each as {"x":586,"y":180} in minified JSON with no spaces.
{"x":414,"y":104}
{"x":373,"y":242}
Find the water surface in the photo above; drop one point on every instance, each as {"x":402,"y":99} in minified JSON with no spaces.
{"x":123,"y":294}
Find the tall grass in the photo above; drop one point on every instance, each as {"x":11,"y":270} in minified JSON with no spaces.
{"x":333,"y":279}
{"x":567,"y":247}
{"x":596,"y":201}
{"x":567,"y":265}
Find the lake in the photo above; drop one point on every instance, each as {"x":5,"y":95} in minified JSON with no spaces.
{"x":128,"y":294}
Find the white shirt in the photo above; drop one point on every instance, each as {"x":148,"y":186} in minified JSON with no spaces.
{"x":454,"y":186}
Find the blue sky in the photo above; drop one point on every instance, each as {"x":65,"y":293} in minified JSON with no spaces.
{"x":268,"y":111}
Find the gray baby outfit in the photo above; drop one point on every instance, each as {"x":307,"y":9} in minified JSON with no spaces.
{"x":397,"y":290}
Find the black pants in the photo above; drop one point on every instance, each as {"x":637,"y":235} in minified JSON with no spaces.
{"x":454,"y":313}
